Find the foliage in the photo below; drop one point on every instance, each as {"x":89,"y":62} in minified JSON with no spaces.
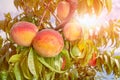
{"x":21,"y":63}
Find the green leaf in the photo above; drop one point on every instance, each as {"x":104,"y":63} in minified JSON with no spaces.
{"x":108,"y":5}
{"x":24,"y":68}
{"x":49,"y":76}
{"x":76,"y":52}
{"x":67,"y":57}
{"x":15,"y":58}
{"x":42,"y":60}
{"x":58,"y":62}
{"x":3,"y":75}
{"x":17,"y":71}
{"x":38,"y":66}
{"x":31,"y":64}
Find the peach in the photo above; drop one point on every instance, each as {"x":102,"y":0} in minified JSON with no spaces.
{"x":63,"y":9}
{"x":23,"y":33}
{"x":92,"y":61}
{"x":48,"y":43}
{"x":72,"y":31}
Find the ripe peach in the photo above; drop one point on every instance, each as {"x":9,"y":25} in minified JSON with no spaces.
{"x":63,"y":9}
{"x":92,"y":61}
{"x":23,"y":33}
{"x":48,"y":43}
{"x":72,"y":31}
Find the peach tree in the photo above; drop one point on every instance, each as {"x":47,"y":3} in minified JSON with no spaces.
{"x":47,"y":42}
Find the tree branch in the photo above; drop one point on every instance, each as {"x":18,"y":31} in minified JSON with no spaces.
{"x":59,"y":21}
{"x":44,"y":13}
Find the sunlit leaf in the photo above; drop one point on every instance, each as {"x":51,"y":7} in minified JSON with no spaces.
{"x":41,"y":59}
{"x":117,"y":64}
{"x":15,"y":58}
{"x":108,"y":4}
{"x":90,"y":2}
{"x":38,"y":66}
{"x":66,"y":55}
{"x":25,"y":69}
{"x":49,"y":76}
{"x":76,"y":52}
{"x":17,"y":71}
{"x":82,"y":7}
{"x":100,"y":63}
{"x":3,"y":75}
{"x":31,"y":63}
{"x":98,"y":6}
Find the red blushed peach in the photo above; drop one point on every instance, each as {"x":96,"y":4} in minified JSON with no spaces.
{"x":48,"y":43}
{"x":92,"y":61}
{"x":63,"y":9}
{"x":23,"y":33}
{"x":72,"y":31}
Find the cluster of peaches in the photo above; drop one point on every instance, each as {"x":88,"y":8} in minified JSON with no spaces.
{"x":46,"y":42}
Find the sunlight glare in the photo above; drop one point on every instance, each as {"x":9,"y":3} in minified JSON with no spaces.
{"x":87,"y":20}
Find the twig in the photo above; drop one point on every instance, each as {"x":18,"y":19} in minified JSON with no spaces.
{"x":44,"y":13}
{"x":59,"y":21}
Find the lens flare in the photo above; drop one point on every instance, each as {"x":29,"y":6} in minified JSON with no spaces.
{"x":87,"y":20}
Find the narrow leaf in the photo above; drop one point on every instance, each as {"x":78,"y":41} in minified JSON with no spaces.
{"x":41,"y":59}
{"x":24,"y":68}
{"x":31,"y":64}
{"x":3,"y":75}
{"x":108,"y":5}
{"x":76,"y":52}
{"x":17,"y":71}
{"x":89,"y":3}
{"x":15,"y":58}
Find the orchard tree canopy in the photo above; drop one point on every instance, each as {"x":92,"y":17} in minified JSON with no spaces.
{"x":54,"y":40}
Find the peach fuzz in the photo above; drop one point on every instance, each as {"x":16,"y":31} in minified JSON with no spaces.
{"x":63,"y":9}
{"x":23,"y":33}
{"x":48,"y":43}
{"x":72,"y":31}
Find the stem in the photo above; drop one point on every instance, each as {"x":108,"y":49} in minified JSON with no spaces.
{"x":59,"y":21}
{"x":44,"y":13}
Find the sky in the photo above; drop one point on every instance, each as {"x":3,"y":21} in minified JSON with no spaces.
{"x":7,"y":6}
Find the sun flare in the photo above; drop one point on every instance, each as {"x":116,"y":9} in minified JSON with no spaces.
{"x":88,"y":21}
